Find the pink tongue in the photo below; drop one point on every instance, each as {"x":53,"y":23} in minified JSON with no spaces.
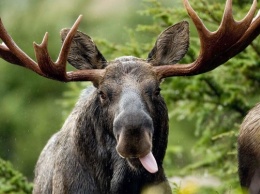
{"x":149,"y":163}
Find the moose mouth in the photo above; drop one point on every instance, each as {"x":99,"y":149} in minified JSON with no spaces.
{"x":148,"y":162}
{"x":137,"y":154}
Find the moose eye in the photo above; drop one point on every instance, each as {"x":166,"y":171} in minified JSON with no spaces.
{"x":102,"y":95}
{"x":157,"y":92}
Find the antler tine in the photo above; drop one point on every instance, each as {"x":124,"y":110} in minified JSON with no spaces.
{"x":56,"y":69}
{"x":67,"y":42}
{"x":202,"y":30}
{"x":227,"y":15}
{"x":229,"y":24}
{"x":216,"y":47}
{"x":248,"y":36}
{"x":250,"y":15}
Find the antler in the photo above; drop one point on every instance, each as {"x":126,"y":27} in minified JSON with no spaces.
{"x":216,"y":47}
{"x":45,"y":67}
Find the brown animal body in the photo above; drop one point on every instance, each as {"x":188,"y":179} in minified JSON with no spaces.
{"x":249,"y":151}
{"x":115,"y":139}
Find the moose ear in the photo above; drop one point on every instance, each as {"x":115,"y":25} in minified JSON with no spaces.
{"x":83,"y":52}
{"x":171,"y":45}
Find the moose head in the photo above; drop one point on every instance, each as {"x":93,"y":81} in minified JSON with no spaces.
{"x":129,"y":89}
{"x":121,"y":124}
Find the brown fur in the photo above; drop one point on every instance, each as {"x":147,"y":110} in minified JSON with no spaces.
{"x":249,"y":151}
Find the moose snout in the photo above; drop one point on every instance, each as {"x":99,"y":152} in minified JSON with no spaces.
{"x":133,"y":133}
{"x":134,"y":143}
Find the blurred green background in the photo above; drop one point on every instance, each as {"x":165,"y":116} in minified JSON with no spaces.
{"x":205,"y":111}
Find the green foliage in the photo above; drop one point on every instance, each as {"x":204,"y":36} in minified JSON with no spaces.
{"x":12,"y":181}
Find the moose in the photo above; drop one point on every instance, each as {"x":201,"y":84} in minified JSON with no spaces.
{"x":115,"y":139}
{"x":249,"y":151}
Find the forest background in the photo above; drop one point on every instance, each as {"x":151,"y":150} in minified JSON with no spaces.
{"x":205,"y":111}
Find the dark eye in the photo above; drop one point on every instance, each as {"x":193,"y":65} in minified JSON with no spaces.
{"x":102,"y":95}
{"x":157,"y":92}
